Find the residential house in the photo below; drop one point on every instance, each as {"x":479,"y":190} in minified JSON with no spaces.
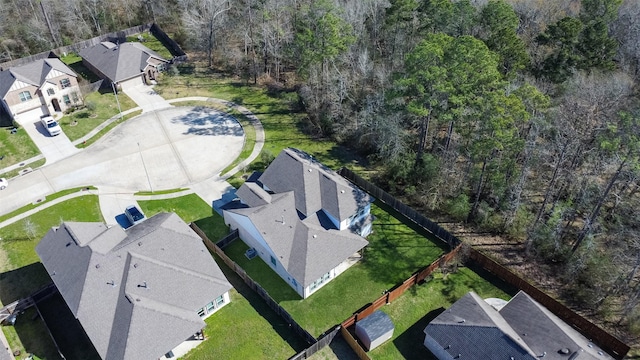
{"x":520,"y":329}
{"x":124,"y":65}
{"x":138,"y":293}
{"x":42,"y":87}
{"x":303,"y":219}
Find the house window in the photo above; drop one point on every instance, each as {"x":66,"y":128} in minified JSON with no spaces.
{"x":74,"y":97}
{"x":319,"y":282}
{"x":273,"y":261}
{"x":66,"y":99}
{"x":50,"y":91}
{"x":65,"y":83}
{"x":202,"y":312}
{"x":220,"y":300}
{"x":25,"y":96}
{"x":210,"y":306}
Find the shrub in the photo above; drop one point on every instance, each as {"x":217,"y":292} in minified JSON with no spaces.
{"x":458,"y":207}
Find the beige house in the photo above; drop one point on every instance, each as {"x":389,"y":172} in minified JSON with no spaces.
{"x":42,"y":87}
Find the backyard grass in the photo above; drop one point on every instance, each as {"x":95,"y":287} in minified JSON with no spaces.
{"x":417,"y":307}
{"x":282,"y":124}
{"x":74,"y":61}
{"x":395,"y":251}
{"x":152,"y":43}
{"x":21,"y":272}
{"x":15,"y":148}
{"x":100,"y":107}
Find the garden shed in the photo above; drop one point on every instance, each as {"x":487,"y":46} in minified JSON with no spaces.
{"x":374,"y":330}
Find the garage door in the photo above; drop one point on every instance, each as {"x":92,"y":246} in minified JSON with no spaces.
{"x":29,"y":116}
{"x":131,"y":82}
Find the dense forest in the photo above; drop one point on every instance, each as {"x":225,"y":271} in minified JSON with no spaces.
{"x":516,"y":117}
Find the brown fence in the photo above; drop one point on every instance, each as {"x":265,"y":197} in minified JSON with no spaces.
{"x":304,"y":334}
{"x":225,"y":241}
{"x":355,"y":345}
{"x":400,"y":207}
{"x":318,"y":345}
{"x":605,"y":340}
{"x":113,"y":36}
{"x":168,"y":42}
{"x":390,"y":296}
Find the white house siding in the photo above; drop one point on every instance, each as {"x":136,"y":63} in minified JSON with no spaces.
{"x":226,"y":300}
{"x":251,"y":236}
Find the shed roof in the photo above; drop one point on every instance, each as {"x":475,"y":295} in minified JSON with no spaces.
{"x":376,"y":324}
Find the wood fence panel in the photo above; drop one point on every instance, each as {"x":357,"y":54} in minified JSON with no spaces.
{"x":354,"y":344}
{"x":602,"y":338}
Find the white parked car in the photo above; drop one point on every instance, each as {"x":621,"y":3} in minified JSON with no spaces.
{"x":51,"y":125}
{"x":3,"y":183}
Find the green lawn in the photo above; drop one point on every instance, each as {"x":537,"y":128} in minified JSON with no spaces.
{"x":417,"y":307}
{"x":34,"y":165}
{"x":100,"y":107}
{"x":152,"y":43}
{"x":160,"y":192}
{"x":189,"y":207}
{"x":15,"y":147}
{"x":21,"y":272}
{"x":395,"y":251}
{"x":74,"y":61}
{"x":49,"y":198}
{"x":259,"y":333}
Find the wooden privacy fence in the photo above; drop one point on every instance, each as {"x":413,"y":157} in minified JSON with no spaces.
{"x":390,"y":296}
{"x":318,"y":345}
{"x":304,"y":334}
{"x":225,"y":241}
{"x":113,"y":36}
{"x":606,"y":341}
{"x":169,"y":43}
{"x":400,"y":207}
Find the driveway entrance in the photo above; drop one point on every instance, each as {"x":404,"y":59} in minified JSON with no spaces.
{"x":145,"y":97}
{"x":54,"y":148}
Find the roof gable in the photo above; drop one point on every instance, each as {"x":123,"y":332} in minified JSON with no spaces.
{"x":119,"y":61}
{"x":315,"y":185}
{"x":32,"y":74}
{"x":305,"y":249}
{"x":126,"y":291}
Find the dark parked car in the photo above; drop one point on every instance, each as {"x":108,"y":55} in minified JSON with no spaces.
{"x":134,"y":215}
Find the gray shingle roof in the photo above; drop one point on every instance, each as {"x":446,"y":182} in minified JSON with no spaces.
{"x":253,"y":195}
{"x":135,"y":292}
{"x":33,"y":73}
{"x":119,"y":62}
{"x":522,"y":329}
{"x":304,"y":248}
{"x":316,"y":186}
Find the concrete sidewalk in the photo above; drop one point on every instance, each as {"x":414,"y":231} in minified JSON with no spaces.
{"x":146,"y":98}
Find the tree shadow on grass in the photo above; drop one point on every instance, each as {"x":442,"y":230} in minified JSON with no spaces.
{"x":22,"y":282}
{"x":409,"y":343}
{"x":278,"y":323}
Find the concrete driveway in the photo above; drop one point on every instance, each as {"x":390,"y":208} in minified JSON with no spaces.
{"x":146,"y":98}
{"x":54,"y":148}
{"x":166,"y":149}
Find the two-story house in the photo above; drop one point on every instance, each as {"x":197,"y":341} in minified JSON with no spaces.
{"x":303,"y":219}
{"x":140,"y":293}
{"x":42,"y":87}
